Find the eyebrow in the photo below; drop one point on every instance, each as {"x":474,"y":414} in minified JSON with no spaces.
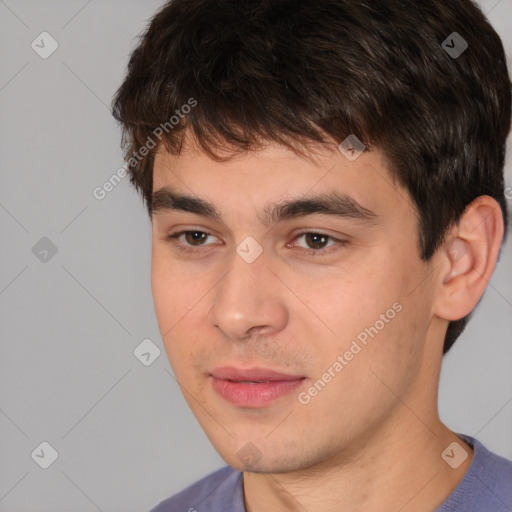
{"x":337,"y":205}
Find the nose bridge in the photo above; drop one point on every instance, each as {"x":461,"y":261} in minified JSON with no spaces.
{"x":244,"y":300}
{"x":239,"y":291}
{"x":239,"y":281}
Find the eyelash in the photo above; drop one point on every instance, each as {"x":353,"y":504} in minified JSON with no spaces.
{"x":311,"y":252}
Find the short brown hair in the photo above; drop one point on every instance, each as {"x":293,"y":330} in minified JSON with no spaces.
{"x":299,"y":71}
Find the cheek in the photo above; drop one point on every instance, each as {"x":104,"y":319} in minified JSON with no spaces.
{"x":351,"y":303}
{"x":393,"y":357}
{"x":373,"y":315}
{"x":175,"y":290}
{"x":177,"y":303}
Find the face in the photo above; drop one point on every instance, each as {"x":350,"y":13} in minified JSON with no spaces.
{"x":289,"y":317}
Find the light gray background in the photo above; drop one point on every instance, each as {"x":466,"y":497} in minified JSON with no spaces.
{"x":124,"y":435}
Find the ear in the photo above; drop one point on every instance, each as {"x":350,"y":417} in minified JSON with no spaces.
{"x":468,"y":258}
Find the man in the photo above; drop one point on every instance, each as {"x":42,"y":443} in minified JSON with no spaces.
{"x":325,"y":184}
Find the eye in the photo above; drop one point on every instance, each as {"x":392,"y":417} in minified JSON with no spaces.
{"x":314,"y":240}
{"x":194,"y":240}
{"x":194,"y":237}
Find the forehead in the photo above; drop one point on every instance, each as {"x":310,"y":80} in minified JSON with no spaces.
{"x":275,"y":179}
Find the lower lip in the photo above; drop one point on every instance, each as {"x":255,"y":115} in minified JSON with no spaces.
{"x":254,"y":395}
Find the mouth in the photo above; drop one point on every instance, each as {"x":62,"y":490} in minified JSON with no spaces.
{"x":255,"y":387}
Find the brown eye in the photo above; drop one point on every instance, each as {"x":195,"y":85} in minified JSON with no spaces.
{"x":193,"y":240}
{"x":195,"y":236}
{"x":314,"y":240}
{"x":316,"y":243}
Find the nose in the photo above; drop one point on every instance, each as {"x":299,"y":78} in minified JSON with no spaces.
{"x":249,"y":301}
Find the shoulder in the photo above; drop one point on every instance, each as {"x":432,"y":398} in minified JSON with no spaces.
{"x":487,"y":484}
{"x":212,"y":493}
{"x":493,"y":470}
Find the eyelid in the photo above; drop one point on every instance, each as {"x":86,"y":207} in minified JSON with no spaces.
{"x":312,"y":252}
{"x":178,"y":234}
{"x":338,"y":243}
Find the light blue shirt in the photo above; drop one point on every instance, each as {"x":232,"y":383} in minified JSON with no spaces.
{"x":486,"y":487}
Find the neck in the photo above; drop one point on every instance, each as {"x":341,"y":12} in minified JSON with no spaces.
{"x":400,"y":469}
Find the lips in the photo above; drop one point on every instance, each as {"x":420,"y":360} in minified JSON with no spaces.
{"x":252,"y":375}
{"x":255,"y":387}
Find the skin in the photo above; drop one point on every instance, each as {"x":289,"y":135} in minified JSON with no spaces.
{"x":371,"y":440}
